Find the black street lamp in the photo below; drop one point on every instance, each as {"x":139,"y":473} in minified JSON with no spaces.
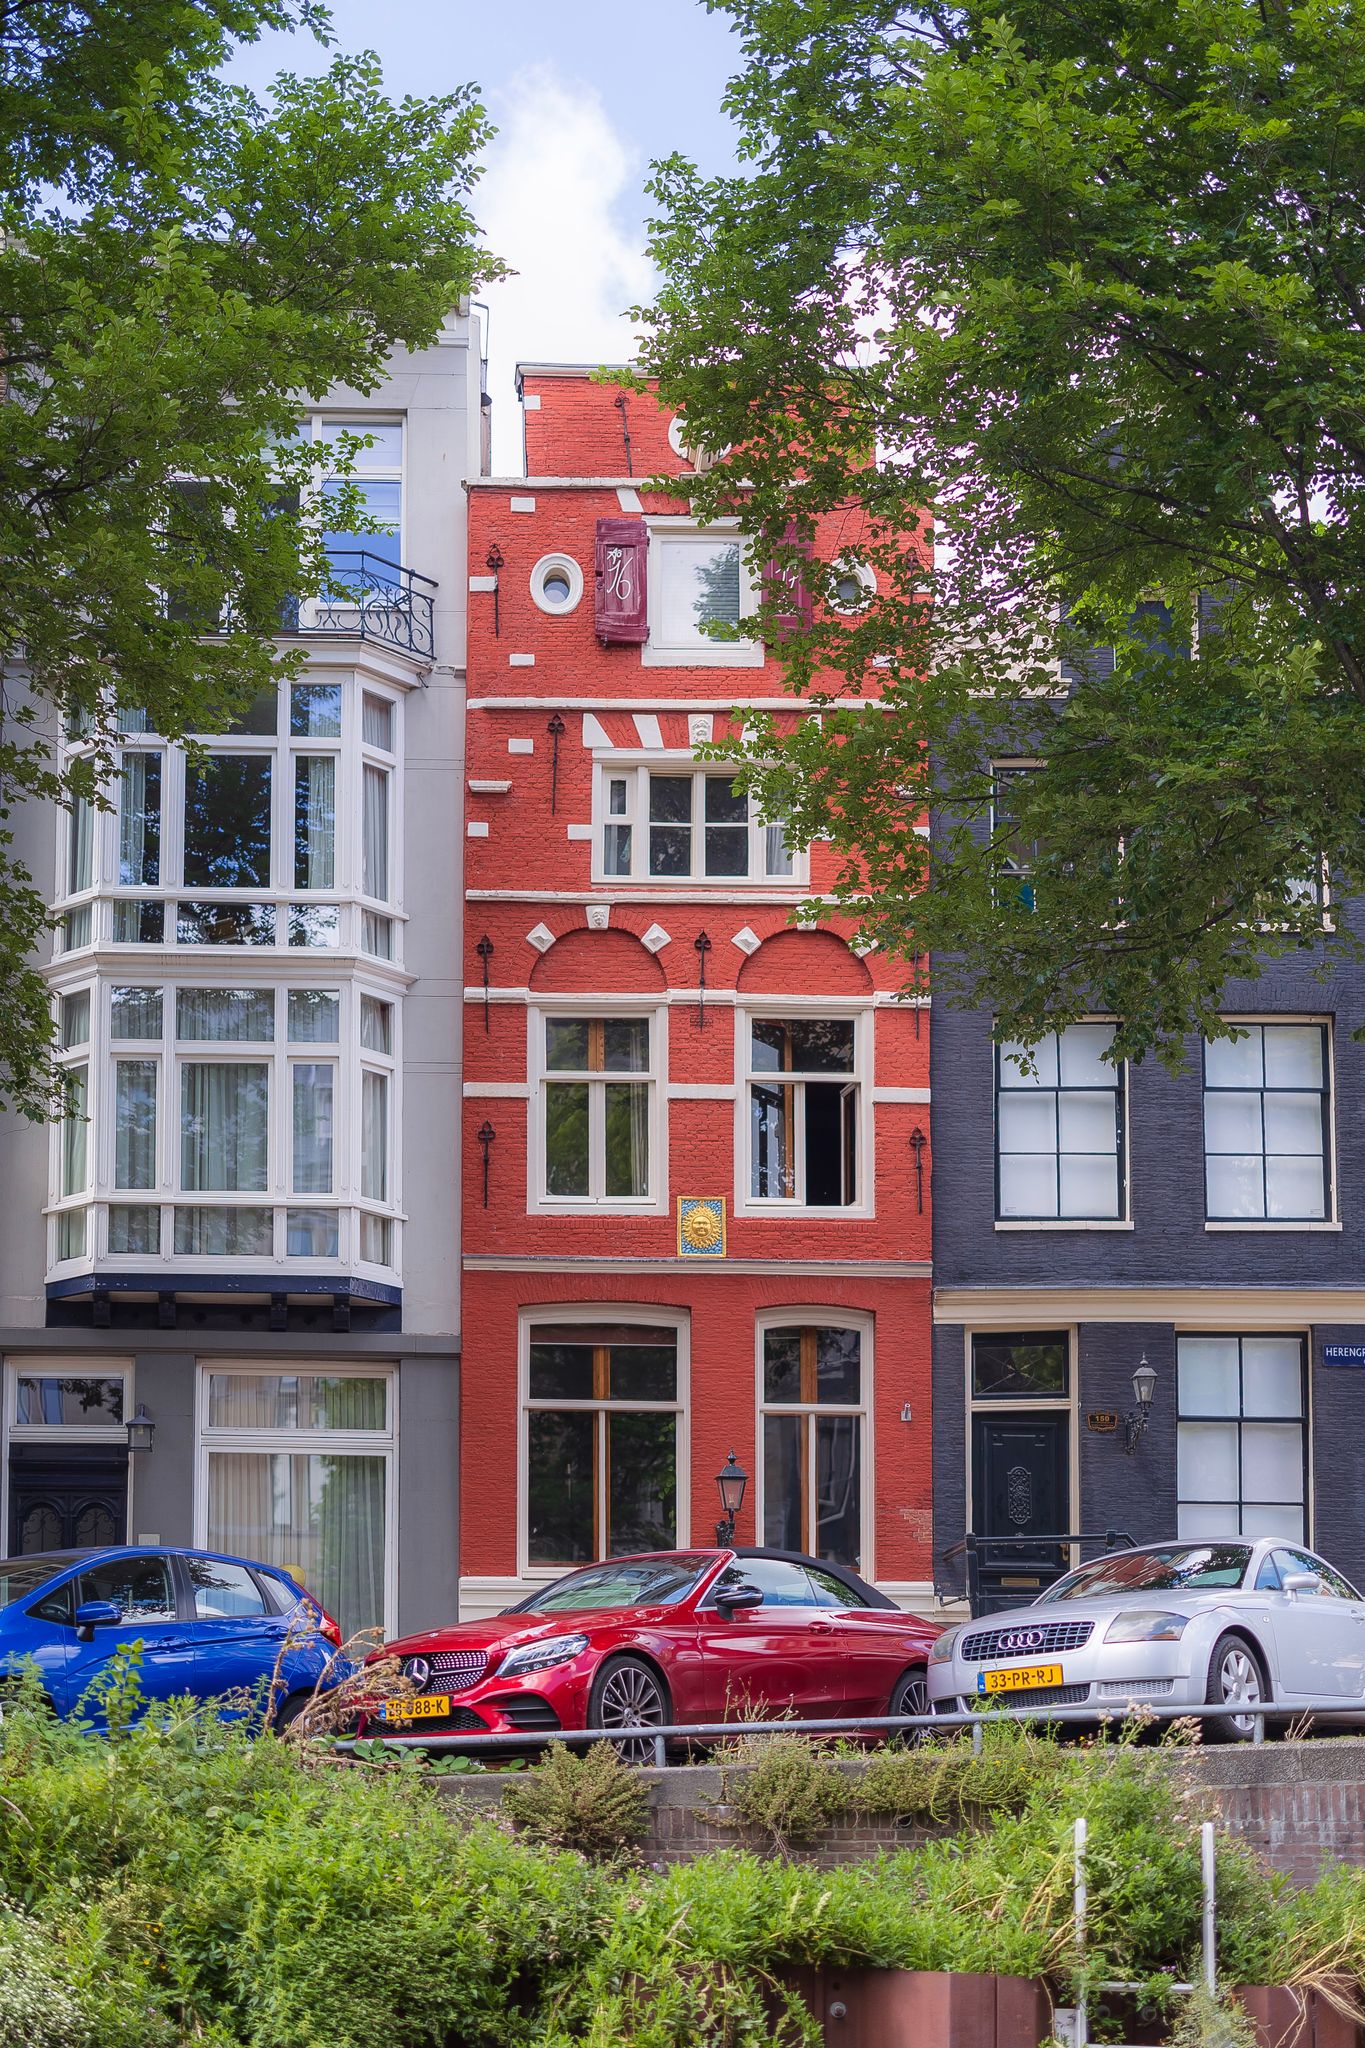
{"x":1135,"y":1421}
{"x":731,"y":1481}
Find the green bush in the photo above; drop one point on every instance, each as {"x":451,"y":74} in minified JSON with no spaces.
{"x":185,"y":1884}
{"x":593,"y":1803}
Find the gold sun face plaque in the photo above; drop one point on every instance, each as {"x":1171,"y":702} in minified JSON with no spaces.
{"x":701,"y":1226}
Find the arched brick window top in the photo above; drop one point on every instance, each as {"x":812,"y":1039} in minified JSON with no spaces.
{"x":804,"y":963}
{"x":597,"y":964}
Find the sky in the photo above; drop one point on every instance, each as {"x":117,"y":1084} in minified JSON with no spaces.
{"x":583,"y":95}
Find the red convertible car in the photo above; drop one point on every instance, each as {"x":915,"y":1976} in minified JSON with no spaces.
{"x":669,"y":1637}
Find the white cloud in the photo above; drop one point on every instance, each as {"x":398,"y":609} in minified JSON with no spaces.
{"x":550,"y":204}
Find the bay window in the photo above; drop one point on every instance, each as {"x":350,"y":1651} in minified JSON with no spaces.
{"x":221,"y":1134}
{"x":603,"y":1411}
{"x":265,"y":838}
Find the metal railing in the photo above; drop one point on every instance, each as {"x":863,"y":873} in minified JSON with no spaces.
{"x":370,"y":598}
{"x":990,"y":1557}
{"x":709,"y":1732}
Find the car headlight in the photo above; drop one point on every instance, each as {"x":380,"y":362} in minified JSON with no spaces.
{"x":1144,"y":1625}
{"x":941,"y":1649}
{"x":540,"y":1656}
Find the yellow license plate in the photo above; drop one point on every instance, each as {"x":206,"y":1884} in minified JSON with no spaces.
{"x":1019,"y":1678}
{"x":424,"y":1706}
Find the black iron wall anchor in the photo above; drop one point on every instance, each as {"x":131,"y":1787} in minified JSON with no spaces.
{"x":702,"y":946}
{"x":495,"y":563}
{"x":915,"y":960}
{"x":556,"y":729}
{"x":485,"y":950}
{"x":620,"y":403}
{"x":486,"y":1135}
{"x":918,"y":1141}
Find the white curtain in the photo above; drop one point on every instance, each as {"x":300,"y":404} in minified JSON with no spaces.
{"x":375,"y":821}
{"x":313,"y":1128}
{"x":139,"y":821}
{"x":74,"y":1128}
{"x":374,"y":1136}
{"x":374,"y":1025}
{"x":81,"y":845}
{"x":315,"y":788}
{"x":314,"y":1016}
{"x":296,"y":1400}
{"x":135,"y":1124}
{"x":136,"y":1013}
{"x":376,"y":723}
{"x":319,"y":1515}
{"x":224,"y":1125}
{"x":241,"y":1015}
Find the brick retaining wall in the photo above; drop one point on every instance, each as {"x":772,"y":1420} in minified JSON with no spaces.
{"x":1300,"y":1804}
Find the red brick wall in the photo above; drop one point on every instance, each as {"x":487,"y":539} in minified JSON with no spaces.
{"x":532,"y":866}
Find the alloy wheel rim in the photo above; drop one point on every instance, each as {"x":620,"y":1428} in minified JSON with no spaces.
{"x":1240,"y":1683}
{"x":631,"y":1699}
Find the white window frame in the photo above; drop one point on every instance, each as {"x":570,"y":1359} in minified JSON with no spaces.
{"x":808,"y":1315}
{"x":357,"y":1442}
{"x":1331,"y":1220}
{"x":656,"y":653}
{"x":662,"y":1318}
{"x":170,"y":1054}
{"x":1239,"y":1420}
{"x":860,"y":1012}
{"x":635,"y":770}
{"x":280,"y":894}
{"x":538,"y":1200}
{"x":319,"y":428}
{"x":1124,"y":1219}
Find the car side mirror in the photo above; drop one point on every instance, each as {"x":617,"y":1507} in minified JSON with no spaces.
{"x":739,"y":1598}
{"x":1301,"y":1582}
{"x":93,"y":1614}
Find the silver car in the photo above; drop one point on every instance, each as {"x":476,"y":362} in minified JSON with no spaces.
{"x":1219,"y":1623}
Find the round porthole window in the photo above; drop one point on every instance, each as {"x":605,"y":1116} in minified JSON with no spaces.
{"x":851,"y":585}
{"x":556,"y":583}
{"x":700,"y":458}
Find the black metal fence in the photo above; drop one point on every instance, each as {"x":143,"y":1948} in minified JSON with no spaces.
{"x":371,"y":598}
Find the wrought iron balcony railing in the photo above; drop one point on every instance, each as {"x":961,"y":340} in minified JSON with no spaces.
{"x":372,"y":599}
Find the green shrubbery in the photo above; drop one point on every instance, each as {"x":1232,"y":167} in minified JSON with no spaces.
{"x":185,"y":1884}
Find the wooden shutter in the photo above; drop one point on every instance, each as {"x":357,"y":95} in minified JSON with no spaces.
{"x":788,"y":585}
{"x":621,"y":609}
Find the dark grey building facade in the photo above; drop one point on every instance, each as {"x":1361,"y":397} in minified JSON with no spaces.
{"x":1211,"y":1223}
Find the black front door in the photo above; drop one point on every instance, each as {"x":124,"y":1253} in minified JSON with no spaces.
{"x":66,"y":1496}
{"x":1019,"y":1490}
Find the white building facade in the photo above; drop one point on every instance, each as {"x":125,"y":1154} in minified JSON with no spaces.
{"x":246,"y":1226}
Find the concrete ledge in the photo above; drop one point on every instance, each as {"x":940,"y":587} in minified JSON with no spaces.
{"x":1298,"y":1804}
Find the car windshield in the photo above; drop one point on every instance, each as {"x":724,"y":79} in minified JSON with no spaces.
{"x":21,"y":1576}
{"x":1176,"y":1568}
{"x":638,"y":1582}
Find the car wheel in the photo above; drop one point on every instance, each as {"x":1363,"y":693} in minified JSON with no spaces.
{"x":628,"y":1693}
{"x":1235,"y":1679}
{"x":909,"y":1695}
{"x":289,"y":1710}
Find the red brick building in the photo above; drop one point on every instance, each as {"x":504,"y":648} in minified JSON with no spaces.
{"x":692,"y":1218}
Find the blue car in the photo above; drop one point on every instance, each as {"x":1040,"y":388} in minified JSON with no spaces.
{"x":206,"y":1625}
